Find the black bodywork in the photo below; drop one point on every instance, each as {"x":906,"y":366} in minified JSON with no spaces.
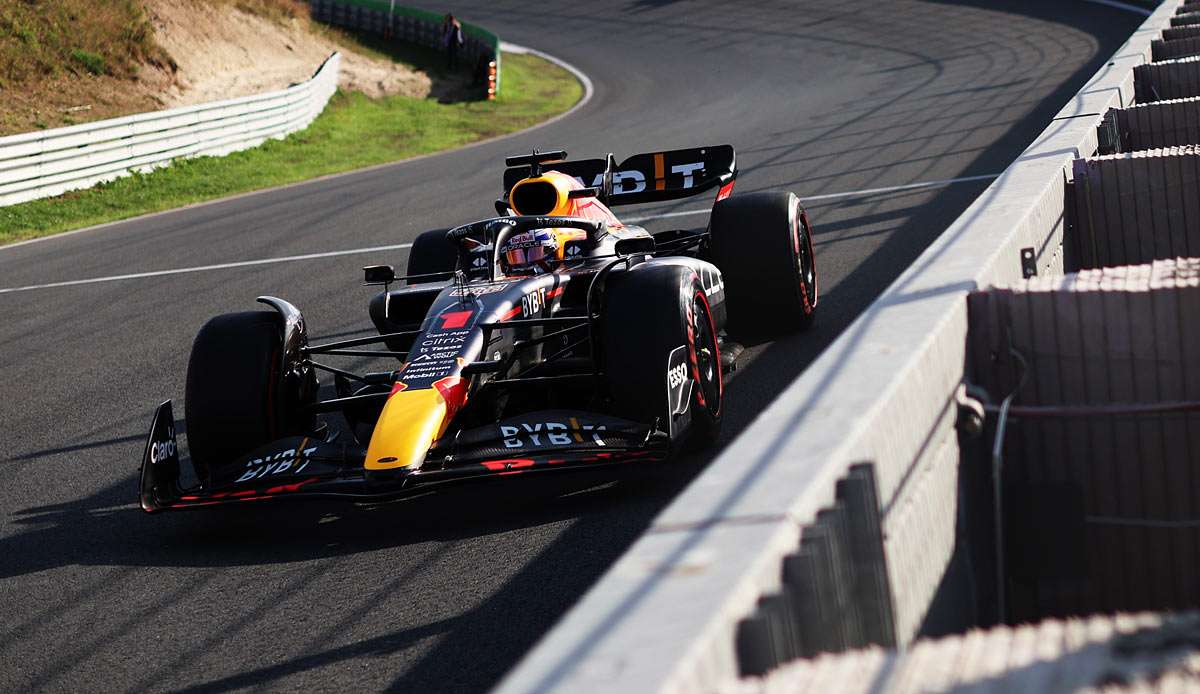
{"x":526,"y":347}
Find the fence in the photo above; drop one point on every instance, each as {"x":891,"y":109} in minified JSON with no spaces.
{"x":52,"y":162}
{"x":419,"y":27}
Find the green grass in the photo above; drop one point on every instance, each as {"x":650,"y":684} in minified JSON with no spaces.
{"x":43,"y":37}
{"x":354,"y":131}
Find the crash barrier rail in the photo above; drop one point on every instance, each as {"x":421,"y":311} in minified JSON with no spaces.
{"x":481,"y":49}
{"x":51,"y":162}
{"x":720,"y":583}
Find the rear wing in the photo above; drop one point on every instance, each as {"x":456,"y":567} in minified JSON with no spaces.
{"x":642,"y":178}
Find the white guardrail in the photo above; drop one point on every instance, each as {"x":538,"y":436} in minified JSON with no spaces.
{"x":665,"y":616}
{"x":51,"y":162}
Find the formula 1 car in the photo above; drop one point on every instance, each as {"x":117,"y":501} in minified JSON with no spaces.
{"x":551,"y":337}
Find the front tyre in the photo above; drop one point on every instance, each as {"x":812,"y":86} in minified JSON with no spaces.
{"x":762,"y":242}
{"x":239,"y":396}
{"x":662,"y":359}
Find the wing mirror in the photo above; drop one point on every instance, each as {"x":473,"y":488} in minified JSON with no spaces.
{"x":379,"y":274}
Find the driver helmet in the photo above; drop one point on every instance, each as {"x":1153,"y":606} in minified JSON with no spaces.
{"x":530,"y":252}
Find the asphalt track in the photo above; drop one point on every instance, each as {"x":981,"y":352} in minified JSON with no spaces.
{"x":447,"y":593}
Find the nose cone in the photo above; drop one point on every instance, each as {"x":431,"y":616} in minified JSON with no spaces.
{"x":409,"y":424}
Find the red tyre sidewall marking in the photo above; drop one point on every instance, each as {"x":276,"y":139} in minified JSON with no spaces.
{"x":691,"y":338}
{"x":712,"y":329}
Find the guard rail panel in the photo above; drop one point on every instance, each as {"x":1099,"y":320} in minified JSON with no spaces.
{"x":51,"y":162}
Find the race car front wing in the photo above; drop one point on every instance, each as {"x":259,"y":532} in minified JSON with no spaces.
{"x":304,"y":467}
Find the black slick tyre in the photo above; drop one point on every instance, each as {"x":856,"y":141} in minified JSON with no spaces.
{"x":762,"y":242}
{"x":236,"y":398}
{"x":431,"y":253}
{"x":654,"y":314}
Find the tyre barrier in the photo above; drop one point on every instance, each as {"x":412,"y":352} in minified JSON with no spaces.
{"x":1156,"y":125}
{"x":481,"y":48}
{"x":1098,"y":505}
{"x":1176,"y":33}
{"x":1110,"y":229}
{"x":1181,"y":48}
{"x":1188,"y":19}
{"x":1170,"y":79}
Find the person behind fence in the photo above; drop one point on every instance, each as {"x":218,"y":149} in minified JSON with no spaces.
{"x":452,"y":39}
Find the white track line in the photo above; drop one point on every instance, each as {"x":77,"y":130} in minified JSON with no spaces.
{"x":588,"y":91}
{"x":206,"y":268}
{"x":1122,"y":6}
{"x":833,"y":196}
{"x":399,"y":246}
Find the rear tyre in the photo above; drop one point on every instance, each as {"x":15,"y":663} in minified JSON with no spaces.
{"x":237,"y":397}
{"x":650,"y":312}
{"x":431,"y":253}
{"x":762,"y":242}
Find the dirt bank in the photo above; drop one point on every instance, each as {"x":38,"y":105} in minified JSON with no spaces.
{"x":102,"y":60}
{"x":222,"y":51}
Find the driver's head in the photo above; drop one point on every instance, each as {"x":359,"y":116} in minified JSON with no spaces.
{"x":541,"y":250}
{"x":530,"y":252}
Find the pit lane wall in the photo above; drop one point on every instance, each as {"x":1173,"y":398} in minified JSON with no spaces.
{"x":693,"y":599}
{"x":51,"y":162}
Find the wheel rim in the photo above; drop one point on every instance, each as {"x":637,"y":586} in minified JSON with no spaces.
{"x":804,"y":263}
{"x":707,"y":355}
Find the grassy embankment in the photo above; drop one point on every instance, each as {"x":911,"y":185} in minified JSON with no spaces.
{"x":354,"y":131}
{"x":67,"y":61}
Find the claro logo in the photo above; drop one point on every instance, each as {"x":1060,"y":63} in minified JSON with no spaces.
{"x":162,"y":450}
{"x":546,"y":434}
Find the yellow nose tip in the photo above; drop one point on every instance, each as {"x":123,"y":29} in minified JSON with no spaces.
{"x":409,"y":424}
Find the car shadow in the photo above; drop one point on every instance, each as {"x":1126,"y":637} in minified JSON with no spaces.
{"x":107,"y":528}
